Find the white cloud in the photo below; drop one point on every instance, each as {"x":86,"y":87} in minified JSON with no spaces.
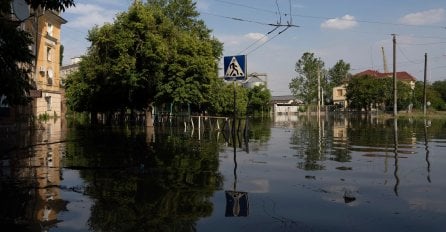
{"x":88,"y":15}
{"x":424,"y":17}
{"x":346,"y":22}
{"x":239,"y":41}
{"x":256,"y":37}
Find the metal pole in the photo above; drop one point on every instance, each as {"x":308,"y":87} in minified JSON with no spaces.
{"x":424,"y":85}
{"x":318,"y":90}
{"x":395,"y":94}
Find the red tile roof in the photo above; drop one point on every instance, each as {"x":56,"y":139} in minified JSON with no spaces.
{"x":402,"y":76}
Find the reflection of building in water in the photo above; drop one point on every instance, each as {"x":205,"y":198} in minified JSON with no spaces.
{"x":48,"y":174}
{"x":42,"y":168}
{"x":340,"y":129}
{"x":285,"y":118}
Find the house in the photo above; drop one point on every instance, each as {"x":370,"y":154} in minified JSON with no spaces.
{"x":339,"y":92}
{"x":339,"y":96}
{"x":287,"y":105}
{"x":401,"y":76}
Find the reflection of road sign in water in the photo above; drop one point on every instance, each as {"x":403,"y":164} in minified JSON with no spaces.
{"x":237,"y":204}
{"x":235,"y":67}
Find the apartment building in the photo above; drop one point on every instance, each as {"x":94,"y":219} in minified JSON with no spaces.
{"x":44,"y":27}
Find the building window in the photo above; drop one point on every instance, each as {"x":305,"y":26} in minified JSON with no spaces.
{"x":49,"y":29}
{"x":49,"y":77}
{"x":48,"y":103}
{"x":49,"y":54}
{"x":339,"y":93}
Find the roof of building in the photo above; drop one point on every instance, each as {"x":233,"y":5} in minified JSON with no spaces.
{"x":402,"y":76}
{"x":284,"y":99}
{"x":70,"y":66}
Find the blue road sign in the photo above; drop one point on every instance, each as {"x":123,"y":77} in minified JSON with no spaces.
{"x":235,"y":67}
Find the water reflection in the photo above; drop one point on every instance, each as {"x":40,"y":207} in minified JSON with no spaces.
{"x":31,"y":177}
{"x":426,"y":148}
{"x":395,"y":141}
{"x":237,"y":204}
{"x":316,"y":141}
{"x":140,"y":183}
{"x":310,"y":174}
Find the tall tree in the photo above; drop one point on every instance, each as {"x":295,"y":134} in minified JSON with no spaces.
{"x":367,"y":92}
{"x":338,"y":73}
{"x":145,"y":56}
{"x":440,"y":87}
{"x":16,"y":59}
{"x":304,"y":85}
{"x":259,"y":98}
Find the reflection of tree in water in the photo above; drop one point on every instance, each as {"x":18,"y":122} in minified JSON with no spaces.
{"x":140,"y":186}
{"x":260,"y":130}
{"x":309,"y":143}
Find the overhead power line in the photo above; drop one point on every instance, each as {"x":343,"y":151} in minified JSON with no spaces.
{"x":263,"y":44}
{"x":327,"y":18}
{"x":250,"y":21}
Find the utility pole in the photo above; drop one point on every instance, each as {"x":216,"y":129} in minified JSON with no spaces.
{"x":386,"y":69}
{"x":318,"y":91}
{"x":424,"y":85}
{"x":395,"y":94}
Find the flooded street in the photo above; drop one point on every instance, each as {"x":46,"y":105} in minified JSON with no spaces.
{"x":287,"y":174}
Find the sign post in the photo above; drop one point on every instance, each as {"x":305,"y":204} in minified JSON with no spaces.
{"x":237,"y":204}
{"x":235,"y":67}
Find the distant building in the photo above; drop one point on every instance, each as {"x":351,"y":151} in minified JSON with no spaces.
{"x":339,"y":92}
{"x":68,"y":69}
{"x":285,"y":105}
{"x":401,"y":76}
{"x":255,"y":79}
{"x":339,"y":96}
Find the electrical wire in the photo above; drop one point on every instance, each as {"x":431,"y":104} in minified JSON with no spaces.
{"x":239,"y":19}
{"x":327,"y":18}
{"x":407,"y":58}
{"x":258,"y":40}
{"x":263,"y":44}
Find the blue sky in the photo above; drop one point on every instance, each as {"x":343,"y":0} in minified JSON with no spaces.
{"x":351,"y":30}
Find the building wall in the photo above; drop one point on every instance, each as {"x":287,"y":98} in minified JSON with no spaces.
{"x":49,"y":103}
{"x":339,"y":95}
{"x":286,"y":109}
{"x":45,"y":30}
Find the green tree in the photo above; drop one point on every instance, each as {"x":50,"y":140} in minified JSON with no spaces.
{"x":434,"y":95}
{"x":304,"y":85}
{"x":362,"y":92}
{"x":440,"y":87}
{"x":338,"y":74}
{"x":221,"y":97}
{"x":16,"y":60}
{"x":259,"y":98}
{"x":193,"y":57}
{"x":365,"y":92}
{"x":146,"y":56}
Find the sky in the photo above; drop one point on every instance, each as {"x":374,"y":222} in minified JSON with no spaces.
{"x":355,"y":31}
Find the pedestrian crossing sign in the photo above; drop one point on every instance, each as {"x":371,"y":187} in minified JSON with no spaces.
{"x":235,"y":67}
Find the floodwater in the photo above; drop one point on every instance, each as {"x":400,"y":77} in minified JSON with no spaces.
{"x":286,"y":174}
